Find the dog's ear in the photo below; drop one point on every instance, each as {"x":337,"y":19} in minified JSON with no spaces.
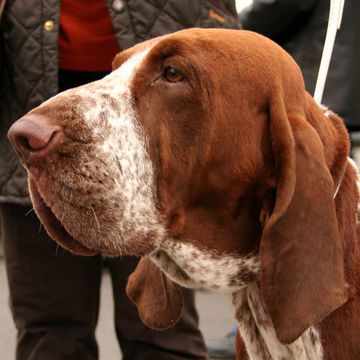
{"x":302,"y":272}
{"x":158,"y":299}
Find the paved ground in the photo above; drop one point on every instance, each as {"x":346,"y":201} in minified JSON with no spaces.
{"x":214,"y":309}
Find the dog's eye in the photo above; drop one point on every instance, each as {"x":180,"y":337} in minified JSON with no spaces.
{"x":173,"y":75}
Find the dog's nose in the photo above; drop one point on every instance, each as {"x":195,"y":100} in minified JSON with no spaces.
{"x":34,"y":137}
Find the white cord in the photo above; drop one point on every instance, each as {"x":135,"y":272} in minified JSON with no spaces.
{"x":335,"y":16}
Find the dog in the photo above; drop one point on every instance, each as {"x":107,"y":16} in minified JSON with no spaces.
{"x":203,"y":154}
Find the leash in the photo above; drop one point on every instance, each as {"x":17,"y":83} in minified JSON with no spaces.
{"x":334,"y":23}
{"x":335,"y":17}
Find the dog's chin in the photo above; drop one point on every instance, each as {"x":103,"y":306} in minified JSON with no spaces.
{"x":53,"y":226}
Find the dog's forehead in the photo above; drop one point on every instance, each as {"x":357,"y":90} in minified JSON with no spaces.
{"x":115,"y":90}
{"x":127,"y":70}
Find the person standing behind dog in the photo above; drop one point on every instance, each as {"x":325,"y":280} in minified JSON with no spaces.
{"x":299,"y":26}
{"x":49,"y":46}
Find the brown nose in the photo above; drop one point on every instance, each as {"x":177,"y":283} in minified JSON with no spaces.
{"x":34,"y":137}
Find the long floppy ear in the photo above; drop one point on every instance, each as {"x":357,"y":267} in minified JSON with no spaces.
{"x":302,"y":275}
{"x":158,"y":299}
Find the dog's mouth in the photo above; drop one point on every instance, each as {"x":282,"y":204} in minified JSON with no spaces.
{"x":53,"y":225}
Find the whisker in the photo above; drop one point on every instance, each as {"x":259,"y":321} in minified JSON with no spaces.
{"x":57,"y":249}
{"x":118,"y":162}
{"x":96,"y":220}
{"x":30,"y":211}
{"x":62,"y":218}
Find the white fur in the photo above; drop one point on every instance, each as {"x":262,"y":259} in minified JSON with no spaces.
{"x":194,"y":267}
{"x":258,"y":333}
{"x":327,"y":112}
{"x":135,"y":182}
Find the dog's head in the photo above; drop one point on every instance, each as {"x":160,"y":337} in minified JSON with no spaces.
{"x":205,"y":136}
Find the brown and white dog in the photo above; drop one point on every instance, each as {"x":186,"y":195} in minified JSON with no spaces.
{"x":203,"y":153}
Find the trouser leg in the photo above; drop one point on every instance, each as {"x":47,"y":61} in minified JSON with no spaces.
{"x":183,"y":341}
{"x":54,"y":296}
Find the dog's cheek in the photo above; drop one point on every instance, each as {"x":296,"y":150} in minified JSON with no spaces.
{"x":128,"y":200}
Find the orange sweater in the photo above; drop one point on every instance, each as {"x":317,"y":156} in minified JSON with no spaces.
{"x":87,"y":40}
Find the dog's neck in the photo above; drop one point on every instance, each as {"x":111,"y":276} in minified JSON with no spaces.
{"x":258,"y":333}
{"x":191,"y":267}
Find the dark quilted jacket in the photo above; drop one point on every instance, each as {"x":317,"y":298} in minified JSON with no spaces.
{"x":29,"y":56}
{"x":300,"y":27}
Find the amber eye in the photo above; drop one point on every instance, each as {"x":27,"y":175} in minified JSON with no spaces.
{"x":171,"y":74}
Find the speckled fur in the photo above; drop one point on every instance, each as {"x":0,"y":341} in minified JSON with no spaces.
{"x":259,"y":336}
{"x":191,"y":266}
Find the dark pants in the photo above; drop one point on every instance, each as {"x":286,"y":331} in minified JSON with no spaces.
{"x":54,"y":298}
{"x":54,"y":295}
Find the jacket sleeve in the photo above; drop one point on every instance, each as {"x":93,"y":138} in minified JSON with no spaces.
{"x":273,"y":18}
